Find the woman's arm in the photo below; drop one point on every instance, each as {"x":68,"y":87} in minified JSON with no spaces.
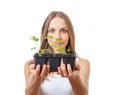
{"x":33,"y":77}
{"x":32,"y":84}
{"x":79,"y":79}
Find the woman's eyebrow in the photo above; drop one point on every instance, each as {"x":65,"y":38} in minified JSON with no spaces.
{"x":64,"y":28}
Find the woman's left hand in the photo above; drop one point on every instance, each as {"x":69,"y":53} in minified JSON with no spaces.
{"x":66,"y":71}
{"x":79,"y":77}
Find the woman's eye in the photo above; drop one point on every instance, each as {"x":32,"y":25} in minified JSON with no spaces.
{"x":51,"y":31}
{"x":64,"y":31}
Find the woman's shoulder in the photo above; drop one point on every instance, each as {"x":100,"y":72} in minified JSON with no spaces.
{"x":83,"y":62}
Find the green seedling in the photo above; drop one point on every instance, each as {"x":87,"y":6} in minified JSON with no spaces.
{"x":35,"y":39}
{"x":42,"y":51}
{"x":68,"y":50}
{"x":62,"y":51}
{"x":33,"y":48}
{"x":57,"y":40}
{"x":49,"y":37}
{"x":55,"y":46}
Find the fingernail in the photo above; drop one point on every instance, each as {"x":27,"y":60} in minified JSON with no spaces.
{"x":62,"y":65}
{"x":68,"y":65}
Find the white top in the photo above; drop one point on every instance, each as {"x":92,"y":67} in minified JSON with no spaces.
{"x":56,"y":85}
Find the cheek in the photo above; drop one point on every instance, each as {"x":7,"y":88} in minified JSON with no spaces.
{"x":49,"y":41}
{"x":66,"y":39}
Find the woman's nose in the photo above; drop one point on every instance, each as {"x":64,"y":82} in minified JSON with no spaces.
{"x":57,"y":35}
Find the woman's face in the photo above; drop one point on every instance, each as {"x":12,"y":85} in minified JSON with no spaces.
{"x":59,"y":32}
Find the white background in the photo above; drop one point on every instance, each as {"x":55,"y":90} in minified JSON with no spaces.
{"x":96,"y":24}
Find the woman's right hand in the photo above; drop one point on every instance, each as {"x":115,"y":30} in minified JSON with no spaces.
{"x":35,"y":71}
{"x":34,"y":77}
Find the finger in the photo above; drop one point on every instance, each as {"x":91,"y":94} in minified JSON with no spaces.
{"x":32,"y":69}
{"x":55,"y":72}
{"x":60,"y":71}
{"x":51,"y":73}
{"x":48,"y":69}
{"x":70,"y":72}
{"x":63,"y":67}
{"x":37,"y":70}
{"x":32,"y":66}
{"x":77,"y":66}
{"x":44,"y":71}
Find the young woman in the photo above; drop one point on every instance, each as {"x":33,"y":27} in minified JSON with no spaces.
{"x":66,"y":81}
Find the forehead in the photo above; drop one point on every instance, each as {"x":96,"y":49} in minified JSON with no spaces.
{"x":57,"y":22}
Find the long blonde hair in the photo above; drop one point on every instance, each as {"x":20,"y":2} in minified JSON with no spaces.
{"x":44,"y":31}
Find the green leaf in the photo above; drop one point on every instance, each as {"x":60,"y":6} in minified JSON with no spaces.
{"x":58,"y":40}
{"x":33,"y":48}
{"x":62,"y":51}
{"x":68,"y":50}
{"x":34,"y":38}
{"x":55,"y":46}
{"x":49,"y":37}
